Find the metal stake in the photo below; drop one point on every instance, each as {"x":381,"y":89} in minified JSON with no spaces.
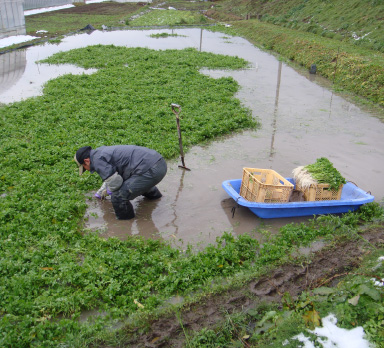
{"x":174,"y":107}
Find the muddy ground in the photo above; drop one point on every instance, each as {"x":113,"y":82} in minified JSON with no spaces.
{"x":326,"y":269}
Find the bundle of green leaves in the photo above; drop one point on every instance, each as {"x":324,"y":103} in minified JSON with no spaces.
{"x":324,"y":172}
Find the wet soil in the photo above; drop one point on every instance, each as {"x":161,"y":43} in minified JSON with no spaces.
{"x":325,"y":269}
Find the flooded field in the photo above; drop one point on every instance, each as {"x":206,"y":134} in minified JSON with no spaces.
{"x":301,"y":120}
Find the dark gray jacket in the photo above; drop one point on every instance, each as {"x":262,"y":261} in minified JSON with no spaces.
{"x":117,"y":163}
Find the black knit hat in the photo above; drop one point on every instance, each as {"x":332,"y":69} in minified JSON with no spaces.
{"x":81,"y":155}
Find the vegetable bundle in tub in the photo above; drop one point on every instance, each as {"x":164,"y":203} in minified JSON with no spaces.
{"x":319,"y":181}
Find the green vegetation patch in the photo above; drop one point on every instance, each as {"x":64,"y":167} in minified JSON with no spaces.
{"x":51,"y":272}
{"x":354,"y":21}
{"x":164,"y":35}
{"x":73,"y":19}
{"x":357,"y":300}
{"x":243,"y":258}
{"x":359,"y":22}
{"x":169,"y":17}
{"x":61,"y":25}
{"x":324,"y":172}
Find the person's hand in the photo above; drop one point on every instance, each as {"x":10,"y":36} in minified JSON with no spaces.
{"x":102,"y":194}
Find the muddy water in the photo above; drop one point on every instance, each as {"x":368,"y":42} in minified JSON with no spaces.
{"x":301,"y":120}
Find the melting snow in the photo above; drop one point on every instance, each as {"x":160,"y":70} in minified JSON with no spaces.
{"x":12,"y":40}
{"x":331,"y":336}
{"x":46,"y":9}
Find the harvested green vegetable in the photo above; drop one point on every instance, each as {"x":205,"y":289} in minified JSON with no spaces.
{"x":324,"y":172}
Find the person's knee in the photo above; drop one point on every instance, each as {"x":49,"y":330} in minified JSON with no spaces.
{"x":163,"y":168}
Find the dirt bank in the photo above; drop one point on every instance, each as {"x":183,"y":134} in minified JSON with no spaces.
{"x":324,"y":270}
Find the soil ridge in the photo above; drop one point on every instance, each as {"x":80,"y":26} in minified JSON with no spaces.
{"x":325,"y":269}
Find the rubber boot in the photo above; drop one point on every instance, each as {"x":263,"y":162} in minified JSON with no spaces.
{"x":123,"y":210}
{"x":153,"y":193}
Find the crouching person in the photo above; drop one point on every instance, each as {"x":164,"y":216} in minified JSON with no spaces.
{"x":127,"y":171}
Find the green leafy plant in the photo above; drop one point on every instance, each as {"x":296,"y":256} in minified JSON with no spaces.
{"x":170,"y":17}
{"x":51,"y":271}
{"x":163,"y":35}
{"x":324,"y":172}
{"x":358,"y":300}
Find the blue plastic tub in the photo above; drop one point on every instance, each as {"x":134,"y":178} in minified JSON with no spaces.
{"x":351,"y":199}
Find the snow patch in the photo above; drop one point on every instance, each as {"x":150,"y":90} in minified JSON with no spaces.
{"x":13,"y":40}
{"x":331,"y":336}
{"x":46,"y":9}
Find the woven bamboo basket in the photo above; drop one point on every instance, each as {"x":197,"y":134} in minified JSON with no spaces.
{"x":265,"y":185}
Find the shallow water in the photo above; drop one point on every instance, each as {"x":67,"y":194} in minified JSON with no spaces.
{"x":301,"y":120}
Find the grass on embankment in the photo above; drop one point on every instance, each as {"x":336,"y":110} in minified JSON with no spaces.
{"x":113,"y":15}
{"x":73,"y":19}
{"x":345,"y":39}
{"x":358,"y":22}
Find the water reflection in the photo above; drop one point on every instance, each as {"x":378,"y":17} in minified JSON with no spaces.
{"x":201,"y":39}
{"x":242,"y":219}
{"x":100,"y":217}
{"x":35,"y":75}
{"x":12,"y":67}
{"x":272,"y":151}
{"x":173,"y":222}
{"x":29,"y":78}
